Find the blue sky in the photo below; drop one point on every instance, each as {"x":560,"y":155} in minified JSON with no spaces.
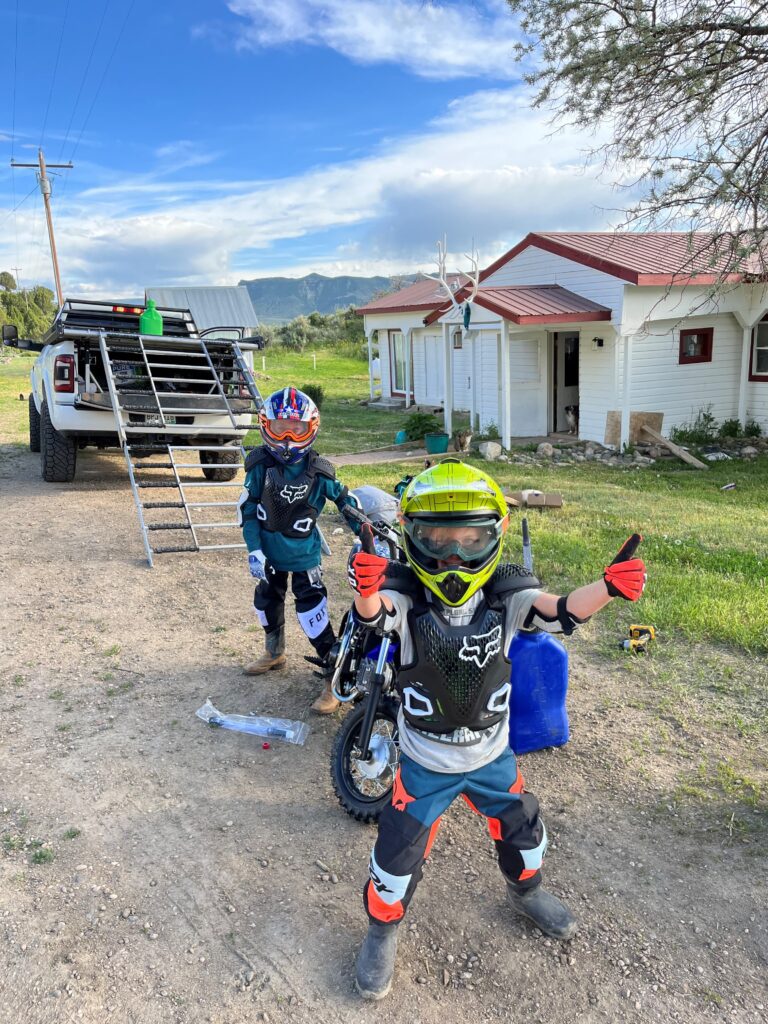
{"x":217,"y":140}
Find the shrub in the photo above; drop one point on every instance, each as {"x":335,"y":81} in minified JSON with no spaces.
{"x":701,"y":430}
{"x":418,"y":424}
{"x":729,"y":428}
{"x":316,"y":392}
{"x":752,"y":429}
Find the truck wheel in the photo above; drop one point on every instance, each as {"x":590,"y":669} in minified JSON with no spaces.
{"x":218,"y":473}
{"x":58,"y":454}
{"x":34,"y":426}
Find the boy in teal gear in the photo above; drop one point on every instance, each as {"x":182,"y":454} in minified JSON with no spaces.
{"x":286,"y":486}
{"x":455,"y":622}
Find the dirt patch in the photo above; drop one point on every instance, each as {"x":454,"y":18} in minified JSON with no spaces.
{"x":184,"y":884}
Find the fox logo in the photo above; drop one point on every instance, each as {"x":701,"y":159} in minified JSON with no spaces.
{"x":482,"y":647}
{"x":294,"y":492}
{"x":378,"y":885}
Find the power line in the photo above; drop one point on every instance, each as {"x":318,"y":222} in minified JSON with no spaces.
{"x":85,"y":75}
{"x":16,"y":207}
{"x":55,"y":69}
{"x":103,"y":76}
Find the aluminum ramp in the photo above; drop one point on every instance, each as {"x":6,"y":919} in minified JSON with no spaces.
{"x":163,"y":390}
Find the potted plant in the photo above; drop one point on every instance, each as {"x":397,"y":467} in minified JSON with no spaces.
{"x":424,"y":424}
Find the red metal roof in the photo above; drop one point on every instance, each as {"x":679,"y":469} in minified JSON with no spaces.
{"x":421,"y":295}
{"x":647,"y":258}
{"x":540,"y":304}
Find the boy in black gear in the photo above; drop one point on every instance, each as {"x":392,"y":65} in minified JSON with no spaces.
{"x":286,"y":486}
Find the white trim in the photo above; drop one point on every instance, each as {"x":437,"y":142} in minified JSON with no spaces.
{"x":447,"y":378}
{"x":627,"y":391}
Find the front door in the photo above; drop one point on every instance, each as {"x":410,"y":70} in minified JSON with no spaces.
{"x":565,"y":381}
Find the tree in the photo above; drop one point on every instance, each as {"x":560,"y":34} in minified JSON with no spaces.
{"x":681,"y":87}
{"x":7,"y":281}
{"x":31,"y":310}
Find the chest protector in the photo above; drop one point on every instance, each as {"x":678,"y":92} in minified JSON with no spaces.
{"x":460,"y":675}
{"x":284,"y":506}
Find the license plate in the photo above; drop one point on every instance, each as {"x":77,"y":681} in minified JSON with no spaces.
{"x":153,"y":420}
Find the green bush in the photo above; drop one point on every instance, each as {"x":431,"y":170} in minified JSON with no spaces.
{"x":729,"y":428}
{"x":316,"y":392}
{"x":701,"y":430}
{"x":418,"y":424}
{"x":752,"y":429}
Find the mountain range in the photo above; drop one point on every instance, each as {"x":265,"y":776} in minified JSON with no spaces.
{"x":279,"y":299}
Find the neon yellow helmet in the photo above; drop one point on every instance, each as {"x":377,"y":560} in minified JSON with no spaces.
{"x":453,"y":517}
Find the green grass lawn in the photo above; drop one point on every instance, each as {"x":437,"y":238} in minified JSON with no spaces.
{"x":14,"y":416}
{"x":705,"y":548}
{"x":347,"y":426}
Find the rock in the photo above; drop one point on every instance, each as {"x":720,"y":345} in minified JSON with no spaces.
{"x":545,"y":450}
{"x":490,"y":450}
{"x":446,"y":977}
{"x":749,"y":452}
{"x":338,"y":531}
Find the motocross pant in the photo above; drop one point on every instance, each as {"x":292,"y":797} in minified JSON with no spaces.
{"x":408,"y":826}
{"x":311,"y":599}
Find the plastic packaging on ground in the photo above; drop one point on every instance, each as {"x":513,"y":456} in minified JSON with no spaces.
{"x":279,"y":728}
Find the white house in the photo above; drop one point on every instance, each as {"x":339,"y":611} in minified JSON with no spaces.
{"x":603,"y":321}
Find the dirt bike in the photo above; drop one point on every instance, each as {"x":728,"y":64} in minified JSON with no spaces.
{"x":366,"y":752}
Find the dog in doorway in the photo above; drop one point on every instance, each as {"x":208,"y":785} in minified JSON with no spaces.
{"x":461,"y":440}
{"x":572,"y":418}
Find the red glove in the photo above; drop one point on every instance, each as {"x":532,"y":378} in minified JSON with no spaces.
{"x":625,"y":576}
{"x":367,"y":568}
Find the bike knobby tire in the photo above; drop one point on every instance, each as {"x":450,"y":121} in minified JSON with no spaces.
{"x":361,"y":798}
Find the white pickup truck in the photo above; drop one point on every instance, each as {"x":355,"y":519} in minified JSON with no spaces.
{"x":70,"y":405}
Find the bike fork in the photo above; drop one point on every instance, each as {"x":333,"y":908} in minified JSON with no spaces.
{"x":377,"y":686}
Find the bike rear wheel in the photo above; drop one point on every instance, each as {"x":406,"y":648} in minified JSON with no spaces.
{"x":365,"y":788}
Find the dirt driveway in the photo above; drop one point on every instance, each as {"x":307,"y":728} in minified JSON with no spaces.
{"x":196,"y":877}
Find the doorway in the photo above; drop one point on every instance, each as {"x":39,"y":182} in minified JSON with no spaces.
{"x":565,"y":381}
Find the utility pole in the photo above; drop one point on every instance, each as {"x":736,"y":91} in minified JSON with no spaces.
{"x":45,"y":189}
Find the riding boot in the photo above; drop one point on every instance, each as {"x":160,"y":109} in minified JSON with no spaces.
{"x":545,"y":910}
{"x":273,"y":656}
{"x":376,"y":961}
{"x":326,"y":703}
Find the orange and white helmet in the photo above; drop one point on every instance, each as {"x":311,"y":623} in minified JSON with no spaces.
{"x":288,"y":422}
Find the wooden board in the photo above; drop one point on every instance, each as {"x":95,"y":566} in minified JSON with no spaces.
{"x":637,"y":421}
{"x":681,"y":453}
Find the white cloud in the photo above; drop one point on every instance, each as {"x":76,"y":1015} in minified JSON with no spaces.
{"x":433,"y":40}
{"x":486,"y":171}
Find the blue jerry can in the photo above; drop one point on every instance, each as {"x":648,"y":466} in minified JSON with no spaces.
{"x":539,"y":676}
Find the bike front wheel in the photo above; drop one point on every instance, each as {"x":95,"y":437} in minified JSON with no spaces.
{"x":364,"y":788}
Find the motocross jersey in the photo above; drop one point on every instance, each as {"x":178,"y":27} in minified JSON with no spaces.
{"x":284,"y":506}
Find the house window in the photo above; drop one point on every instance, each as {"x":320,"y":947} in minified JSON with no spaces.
{"x":696,"y":345}
{"x":457,"y":340}
{"x":759,"y":365}
{"x":397,"y":361}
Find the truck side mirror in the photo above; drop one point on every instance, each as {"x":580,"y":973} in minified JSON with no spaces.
{"x":10,"y":334}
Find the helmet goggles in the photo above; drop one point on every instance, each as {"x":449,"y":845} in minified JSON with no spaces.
{"x":471,"y":540}
{"x":289,"y":429}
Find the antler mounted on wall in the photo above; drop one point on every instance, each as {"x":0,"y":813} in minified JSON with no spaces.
{"x":442,"y":277}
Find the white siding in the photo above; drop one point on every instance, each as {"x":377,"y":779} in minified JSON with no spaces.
{"x":535,"y":266}
{"x":488,"y":381}
{"x":757,"y":403}
{"x":597,"y":382}
{"x":660,"y":384}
